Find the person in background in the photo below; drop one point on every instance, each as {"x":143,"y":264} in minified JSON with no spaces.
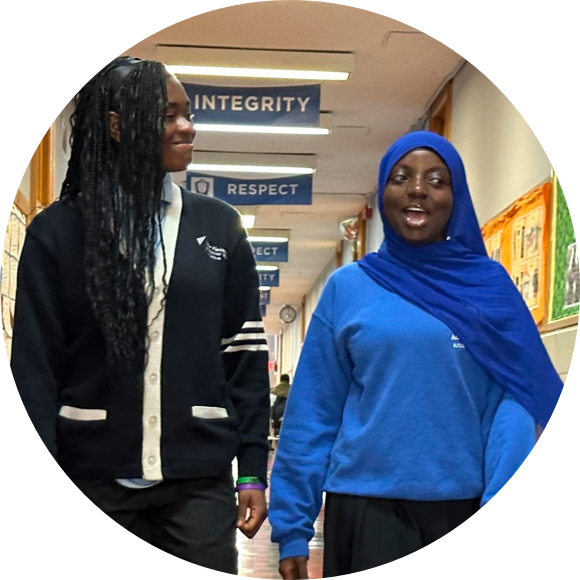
{"x":134,"y":306}
{"x":280,"y":391}
{"x":415,"y":398}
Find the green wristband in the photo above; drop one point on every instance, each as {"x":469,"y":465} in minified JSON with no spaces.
{"x":249,"y":480}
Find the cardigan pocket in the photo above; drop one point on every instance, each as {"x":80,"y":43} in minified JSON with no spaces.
{"x":78,"y":414}
{"x":202,"y":412}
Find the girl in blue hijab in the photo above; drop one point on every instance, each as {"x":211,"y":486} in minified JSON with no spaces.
{"x":420,"y":382}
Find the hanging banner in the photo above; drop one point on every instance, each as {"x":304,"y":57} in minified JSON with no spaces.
{"x":270,"y":251}
{"x":264,"y":297}
{"x":294,"y":106}
{"x":295,"y":190}
{"x":271,"y":278}
{"x":263,"y":310}
{"x":565,"y":281}
{"x":518,"y":239}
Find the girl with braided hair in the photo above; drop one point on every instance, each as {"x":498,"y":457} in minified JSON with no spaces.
{"x":138,"y":347}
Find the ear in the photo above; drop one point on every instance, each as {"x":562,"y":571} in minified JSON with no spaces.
{"x":114,"y":130}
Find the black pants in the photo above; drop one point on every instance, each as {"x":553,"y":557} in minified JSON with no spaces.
{"x":362,"y":532}
{"x":193,"y":519}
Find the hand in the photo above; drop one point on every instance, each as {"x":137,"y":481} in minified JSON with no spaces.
{"x":254,"y":501}
{"x":294,"y":568}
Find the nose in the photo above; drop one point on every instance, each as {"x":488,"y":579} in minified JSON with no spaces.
{"x":186,"y":128}
{"x":417,"y":188}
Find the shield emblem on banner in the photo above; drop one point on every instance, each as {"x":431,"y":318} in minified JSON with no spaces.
{"x":202,"y":185}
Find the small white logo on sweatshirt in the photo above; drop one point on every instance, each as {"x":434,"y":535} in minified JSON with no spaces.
{"x":213,"y":252}
{"x":456,"y":342}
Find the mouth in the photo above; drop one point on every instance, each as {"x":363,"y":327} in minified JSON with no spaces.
{"x":415,"y":217}
{"x":183,"y":146}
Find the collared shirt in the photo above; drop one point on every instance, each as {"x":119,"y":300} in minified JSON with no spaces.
{"x":167,"y":199}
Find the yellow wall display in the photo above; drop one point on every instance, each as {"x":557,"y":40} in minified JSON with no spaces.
{"x":518,"y":238}
{"x":13,"y":241}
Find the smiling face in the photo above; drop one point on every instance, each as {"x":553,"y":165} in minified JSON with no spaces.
{"x":418,"y":198}
{"x":179,"y":130}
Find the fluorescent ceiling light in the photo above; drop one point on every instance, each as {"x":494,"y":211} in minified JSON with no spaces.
{"x":323,"y":128}
{"x":272,"y":64}
{"x":266,"y":268}
{"x":264,"y":163}
{"x":264,"y":287}
{"x":257,"y":73}
{"x":248,"y":221}
{"x":266,"y":239}
{"x":250,"y":169}
{"x":262,"y":129}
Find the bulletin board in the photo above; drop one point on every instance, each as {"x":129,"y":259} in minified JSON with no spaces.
{"x":24,"y":208}
{"x":519,"y":239}
{"x":13,"y":241}
{"x":565,"y":275}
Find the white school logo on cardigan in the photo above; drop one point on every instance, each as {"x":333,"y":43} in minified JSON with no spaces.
{"x":213,"y":252}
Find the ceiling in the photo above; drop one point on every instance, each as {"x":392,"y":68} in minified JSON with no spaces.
{"x":401,"y":58}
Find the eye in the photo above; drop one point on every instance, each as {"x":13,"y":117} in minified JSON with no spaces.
{"x":438,"y":181}
{"x":398,"y":178}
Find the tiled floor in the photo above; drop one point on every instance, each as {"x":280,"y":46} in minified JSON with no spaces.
{"x":258,"y":558}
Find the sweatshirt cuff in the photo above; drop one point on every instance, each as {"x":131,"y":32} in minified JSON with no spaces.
{"x":253,"y":462}
{"x":294,"y":548}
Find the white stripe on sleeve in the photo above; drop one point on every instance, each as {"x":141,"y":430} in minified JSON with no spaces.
{"x":250,"y":347}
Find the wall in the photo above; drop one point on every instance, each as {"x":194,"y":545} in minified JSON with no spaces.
{"x":25,"y":183}
{"x":291,"y":346}
{"x":61,"y":134}
{"x":61,"y":147}
{"x":374,"y":227}
{"x":315,"y":291}
{"x":503,"y":161}
{"x":348,"y":252}
{"x":502,"y":157}
{"x":292,"y":333}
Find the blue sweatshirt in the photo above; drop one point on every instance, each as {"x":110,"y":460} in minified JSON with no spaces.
{"x":387,"y":402}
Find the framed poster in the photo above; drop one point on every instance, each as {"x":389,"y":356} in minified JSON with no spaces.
{"x":527,"y":263}
{"x":13,"y":240}
{"x":565,"y":271}
{"x":518,"y":238}
{"x":493,"y":246}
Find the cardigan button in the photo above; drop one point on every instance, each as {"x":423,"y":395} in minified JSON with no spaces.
{"x":153,"y":377}
{"x":151,"y":460}
{"x":153,"y":420}
{"x":155,"y":335}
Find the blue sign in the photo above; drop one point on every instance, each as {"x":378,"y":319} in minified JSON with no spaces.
{"x":269,"y":278}
{"x":294,"y":106}
{"x":264,"y":297}
{"x":270,"y":251}
{"x":295,"y":190}
{"x":263,"y":310}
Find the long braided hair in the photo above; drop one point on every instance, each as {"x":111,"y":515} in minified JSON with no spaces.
{"x":118,"y":186}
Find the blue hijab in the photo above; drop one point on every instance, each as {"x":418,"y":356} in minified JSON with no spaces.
{"x":473,"y":295}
